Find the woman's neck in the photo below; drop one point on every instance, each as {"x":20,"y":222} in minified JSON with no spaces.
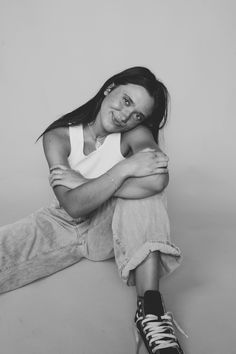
{"x":96,"y":128}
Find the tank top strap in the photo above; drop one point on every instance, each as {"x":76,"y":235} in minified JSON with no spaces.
{"x":98,"y":161}
{"x":76,"y":143}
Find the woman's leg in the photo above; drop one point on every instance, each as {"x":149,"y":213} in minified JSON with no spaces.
{"x":141,"y":227}
{"x":39,"y":245}
{"x":144,"y":253}
{"x":147,"y":274}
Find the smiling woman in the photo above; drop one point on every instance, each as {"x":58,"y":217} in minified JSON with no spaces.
{"x":109,"y":176}
{"x":125,"y":107}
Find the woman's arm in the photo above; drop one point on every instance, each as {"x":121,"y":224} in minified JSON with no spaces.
{"x":92,"y":193}
{"x":137,"y":188}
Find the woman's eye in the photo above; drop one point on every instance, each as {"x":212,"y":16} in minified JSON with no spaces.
{"x":126,"y":101}
{"x":138,"y":116}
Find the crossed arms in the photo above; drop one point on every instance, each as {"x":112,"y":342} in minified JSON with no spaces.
{"x":141,"y":175}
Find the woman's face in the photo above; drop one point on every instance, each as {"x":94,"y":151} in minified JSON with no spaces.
{"x":125,"y":107}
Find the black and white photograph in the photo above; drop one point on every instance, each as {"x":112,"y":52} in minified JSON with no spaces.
{"x":117,"y":178}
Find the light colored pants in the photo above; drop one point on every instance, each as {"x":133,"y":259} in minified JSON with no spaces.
{"x":49,"y":240}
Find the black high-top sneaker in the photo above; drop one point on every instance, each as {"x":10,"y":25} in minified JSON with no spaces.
{"x":155,"y":326}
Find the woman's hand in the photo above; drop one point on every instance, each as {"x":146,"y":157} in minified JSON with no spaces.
{"x":146,"y":162}
{"x":61,"y":175}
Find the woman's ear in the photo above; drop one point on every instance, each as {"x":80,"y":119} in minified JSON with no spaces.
{"x":108,"y":89}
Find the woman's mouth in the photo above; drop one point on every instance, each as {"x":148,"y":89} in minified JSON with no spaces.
{"x":115,"y":121}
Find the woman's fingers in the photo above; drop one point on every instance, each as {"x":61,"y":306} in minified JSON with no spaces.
{"x":56,"y":183}
{"x":57,"y":173}
{"x":154,"y":152}
{"x":148,"y":150}
{"x":56,"y":167}
{"x":52,"y":178}
{"x":159,"y":171}
{"x":162,"y":164}
{"x":162,"y":170}
{"x":161,"y":157}
{"x":55,"y":176}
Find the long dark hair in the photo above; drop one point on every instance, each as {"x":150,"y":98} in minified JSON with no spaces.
{"x":136,"y":75}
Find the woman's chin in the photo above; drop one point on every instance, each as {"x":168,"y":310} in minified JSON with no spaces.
{"x":112,"y":128}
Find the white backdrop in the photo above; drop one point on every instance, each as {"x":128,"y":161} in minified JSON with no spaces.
{"x":56,"y":54}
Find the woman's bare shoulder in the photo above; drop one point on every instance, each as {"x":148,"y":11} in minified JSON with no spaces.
{"x":140,"y":130}
{"x":56,"y":143}
{"x":138,"y":138}
{"x":57,"y":136}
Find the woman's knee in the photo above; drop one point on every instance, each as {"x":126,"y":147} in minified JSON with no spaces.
{"x":145,"y":208}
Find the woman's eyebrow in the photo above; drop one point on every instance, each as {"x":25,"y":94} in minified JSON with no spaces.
{"x":130,"y":98}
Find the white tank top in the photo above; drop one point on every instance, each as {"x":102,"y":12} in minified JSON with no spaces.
{"x":98,"y":161}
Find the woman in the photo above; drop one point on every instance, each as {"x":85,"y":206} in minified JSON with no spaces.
{"x":109,"y":176}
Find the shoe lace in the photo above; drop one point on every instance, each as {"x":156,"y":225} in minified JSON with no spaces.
{"x":159,"y":331}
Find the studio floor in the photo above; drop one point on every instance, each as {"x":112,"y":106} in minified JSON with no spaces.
{"x":86,"y":309}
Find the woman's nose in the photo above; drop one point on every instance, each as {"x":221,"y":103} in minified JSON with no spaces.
{"x":124,"y":118}
{"x":125,"y":115}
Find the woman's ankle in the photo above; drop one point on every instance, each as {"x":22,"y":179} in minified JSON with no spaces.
{"x":147,"y":274}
